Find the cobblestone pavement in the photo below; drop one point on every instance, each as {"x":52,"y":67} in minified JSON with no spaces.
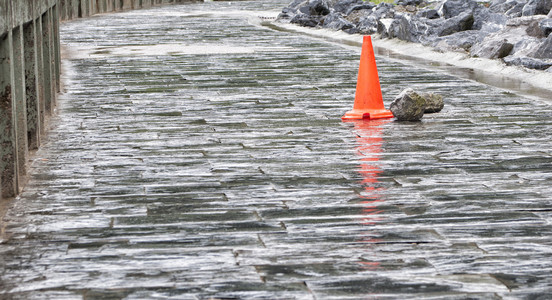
{"x":170,"y":173}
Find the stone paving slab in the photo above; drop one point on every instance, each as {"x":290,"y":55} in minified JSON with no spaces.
{"x":231,"y":176}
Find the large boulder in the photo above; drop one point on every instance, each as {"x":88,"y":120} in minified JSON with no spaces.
{"x":502,"y":6}
{"x":368,"y":25}
{"x":534,"y":29}
{"x":343,"y":6}
{"x":460,"y":41}
{"x":305,"y":20}
{"x":462,"y":22}
{"x":384,"y":27}
{"x":402,"y":29}
{"x":291,"y":10}
{"x":537,"y":7}
{"x":515,"y":33}
{"x":527,"y":46}
{"x":428,"y":13}
{"x":384,"y":10}
{"x":356,"y":15}
{"x":364,"y":6}
{"x":295,"y":5}
{"x":546,"y":26}
{"x":492,"y":48}
{"x":497,"y":2}
{"x":545,"y":49}
{"x":528,"y":62}
{"x":408,"y":106}
{"x":510,"y":8}
{"x":516,"y":11}
{"x":316,"y":8}
{"x":451,"y":8}
{"x":336,"y":22}
{"x":524,"y":21}
{"x":414,"y":29}
{"x":488,"y":21}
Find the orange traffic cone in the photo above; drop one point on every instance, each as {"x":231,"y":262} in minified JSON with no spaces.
{"x":368,"y":98}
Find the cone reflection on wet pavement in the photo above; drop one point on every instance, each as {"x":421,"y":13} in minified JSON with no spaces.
{"x":368,"y":97}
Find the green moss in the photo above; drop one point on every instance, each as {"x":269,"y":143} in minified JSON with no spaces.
{"x":380,"y":1}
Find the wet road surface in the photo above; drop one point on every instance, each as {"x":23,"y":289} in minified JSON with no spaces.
{"x":171,"y":173}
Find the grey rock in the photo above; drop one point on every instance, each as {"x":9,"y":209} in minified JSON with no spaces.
{"x":459,"y":41}
{"x":315,"y":8}
{"x":488,"y":21}
{"x":494,"y":32}
{"x":368,"y":25}
{"x":336,"y":22}
{"x":384,"y":27}
{"x":549,"y":14}
{"x":537,"y":7}
{"x":502,"y":6}
{"x":305,"y":20}
{"x":525,"y":46}
{"x":510,"y":8}
{"x":356,"y":15}
{"x":545,"y":7}
{"x":295,"y":4}
{"x":384,"y":10}
{"x":293,"y":7}
{"x":462,"y":22}
{"x":535,"y":30}
{"x":413,"y":29}
{"x":408,"y":2}
{"x":529,"y":9}
{"x":343,"y":6}
{"x":428,"y":13}
{"x":546,"y":26}
{"x":433,"y":102}
{"x":408,"y":106}
{"x":516,"y":10}
{"x":285,"y":15}
{"x":492,"y":48}
{"x":523,"y":21}
{"x":516,"y":32}
{"x":296,"y":7}
{"x":363,"y":6}
{"x":528,"y":62}
{"x":299,"y":9}
{"x":401,"y":28}
{"x":545,"y":49}
{"x":450,"y":8}
{"x":497,"y":2}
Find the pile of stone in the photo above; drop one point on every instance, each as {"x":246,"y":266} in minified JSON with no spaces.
{"x":516,"y":31}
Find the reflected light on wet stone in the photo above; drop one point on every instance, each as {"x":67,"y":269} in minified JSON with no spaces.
{"x":369,"y":139}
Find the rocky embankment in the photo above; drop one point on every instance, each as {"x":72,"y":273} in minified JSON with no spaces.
{"x":515,"y":31}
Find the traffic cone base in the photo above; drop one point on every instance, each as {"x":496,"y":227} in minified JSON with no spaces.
{"x":368,"y":98}
{"x":357,"y":114}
